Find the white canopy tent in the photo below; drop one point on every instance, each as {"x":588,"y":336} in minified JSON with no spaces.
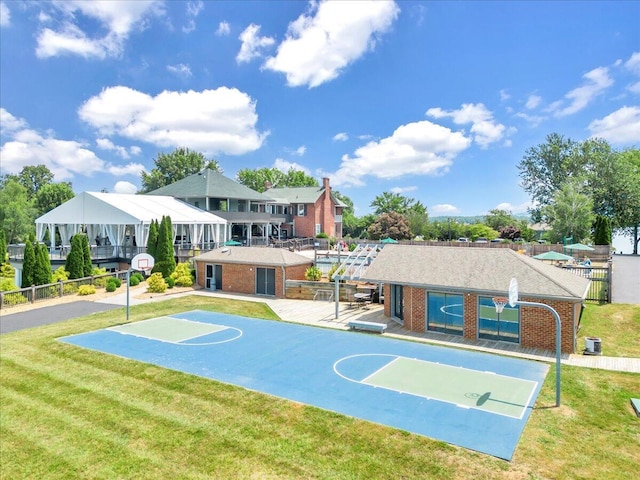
{"x":112,"y":215}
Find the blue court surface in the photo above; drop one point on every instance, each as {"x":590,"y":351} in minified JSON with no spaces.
{"x":474,"y":400}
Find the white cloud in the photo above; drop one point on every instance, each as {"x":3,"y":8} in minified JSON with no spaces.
{"x":301,"y":150}
{"x":193,"y":10}
{"x":252,"y":44}
{"x":340,"y":137}
{"x":633,"y":64}
{"x":401,"y":190}
{"x":181,"y":70}
{"x":66,"y":159}
{"x":285,"y":166}
{"x":596,"y":81}
{"x":621,"y":127}
{"x":9,"y":123}
{"x":504,"y":95}
{"x":125,"y":187}
{"x":483,"y":127}
{"x":515,"y":209}
{"x":117,"y":18}
{"x":5,"y":15}
{"x":533,"y":101}
{"x":443,"y":209}
{"x":212,"y":121}
{"x":534,"y":120}
{"x":420,"y":148}
{"x":223,"y":29}
{"x":106,"y":144}
{"x":634,"y":88}
{"x":318,"y":45}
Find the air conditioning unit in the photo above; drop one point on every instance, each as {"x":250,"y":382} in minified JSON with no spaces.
{"x":593,"y":346}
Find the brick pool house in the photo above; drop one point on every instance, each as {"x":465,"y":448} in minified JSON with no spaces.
{"x":450,"y":290}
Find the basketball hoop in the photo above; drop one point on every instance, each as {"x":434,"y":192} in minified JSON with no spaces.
{"x":500,"y":303}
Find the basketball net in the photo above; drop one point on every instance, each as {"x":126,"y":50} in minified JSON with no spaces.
{"x":500,"y":303}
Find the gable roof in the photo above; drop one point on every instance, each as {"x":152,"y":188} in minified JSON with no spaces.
{"x":487,"y":270}
{"x":209,"y":183}
{"x":291,"y":195}
{"x":125,"y":209}
{"x":275,"y":257}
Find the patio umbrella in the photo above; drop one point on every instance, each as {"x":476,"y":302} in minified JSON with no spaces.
{"x":578,"y":246}
{"x":231,"y":243}
{"x":388,"y":240}
{"x":551,"y":255}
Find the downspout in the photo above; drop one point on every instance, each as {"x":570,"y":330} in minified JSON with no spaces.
{"x":284,"y":282}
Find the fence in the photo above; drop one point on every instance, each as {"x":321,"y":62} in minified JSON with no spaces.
{"x":50,"y":291}
{"x":600,"y":288}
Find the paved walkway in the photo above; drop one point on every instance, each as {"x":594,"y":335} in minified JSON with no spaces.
{"x":322,"y":314}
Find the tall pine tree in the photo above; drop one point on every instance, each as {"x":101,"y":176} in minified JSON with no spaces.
{"x":28,"y":265}
{"x":87,"y":266}
{"x":165,"y":259}
{"x":152,"y":241}
{"x":3,"y":247}
{"x":43,"y":274}
{"x":75,"y":258}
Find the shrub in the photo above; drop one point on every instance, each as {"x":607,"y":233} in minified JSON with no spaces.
{"x":113,"y":284}
{"x":313,"y":274}
{"x":334,"y":269}
{"x":156,"y":283}
{"x":117,"y":281}
{"x":60,"y":275}
{"x":183,"y":275}
{"x":322,"y":235}
{"x":86,"y":290}
{"x":7,"y":271}
{"x":15,"y":299}
{"x":134,"y":280}
{"x":102,"y":280}
{"x":111,"y":287}
{"x":7,"y":285}
{"x":185,"y":281}
{"x":170,"y":282}
{"x":139,"y":276}
{"x":69,"y":288}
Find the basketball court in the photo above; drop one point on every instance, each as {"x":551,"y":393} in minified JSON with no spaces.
{"x":474,"y":400}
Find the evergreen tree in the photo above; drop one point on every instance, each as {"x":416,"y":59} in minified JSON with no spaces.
{"x":43,"y":274}
{"x":75,"y":259}
{"x":3,"y":247}
{"x":602,"y":230}
{"x":87,"y":266}
{"x":165,"y":260}
{"x":28,"y":265}
{"x":152,"y":241}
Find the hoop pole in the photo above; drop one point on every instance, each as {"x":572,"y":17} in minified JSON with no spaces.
{"x":558,"y":332}
{"x":128,"y":278}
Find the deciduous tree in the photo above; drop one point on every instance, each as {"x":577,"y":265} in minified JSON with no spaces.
{"x":174,"y":166}
{"x":392,"y":225}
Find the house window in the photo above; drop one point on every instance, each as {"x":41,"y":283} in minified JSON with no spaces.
{"x":318,"y":229}
{"x":445,"y":313}
{"x":301,"y":210}
{"x":196,"y":204}
{"x":503,"y":326}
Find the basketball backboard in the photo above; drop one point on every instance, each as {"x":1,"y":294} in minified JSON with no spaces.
{"x":513,"y":292}
{"x":143,"y":262}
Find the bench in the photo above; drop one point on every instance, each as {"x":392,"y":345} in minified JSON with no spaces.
{"x":368,"y":326}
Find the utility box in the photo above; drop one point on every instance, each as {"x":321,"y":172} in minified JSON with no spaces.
{"x":592,"y":346}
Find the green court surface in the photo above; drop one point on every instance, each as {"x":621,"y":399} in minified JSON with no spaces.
{"x":167,"y":329}
{"x":463,"y":387}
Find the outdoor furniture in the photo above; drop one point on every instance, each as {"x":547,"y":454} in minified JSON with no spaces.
{"x":362,"y":299}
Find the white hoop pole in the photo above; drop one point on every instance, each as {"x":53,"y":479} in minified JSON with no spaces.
{"x":558,"y":333}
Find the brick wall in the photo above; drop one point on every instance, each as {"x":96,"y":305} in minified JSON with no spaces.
{"x":537,"y":325}
{"x":238,"y":278}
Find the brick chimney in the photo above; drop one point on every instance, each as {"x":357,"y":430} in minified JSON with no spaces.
{"x":328,"y":219}
{"x":325,"y":183}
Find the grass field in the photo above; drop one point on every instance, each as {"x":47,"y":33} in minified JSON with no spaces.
{"x":67,"y":412}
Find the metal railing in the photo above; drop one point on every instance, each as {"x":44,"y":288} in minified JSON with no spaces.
{"x":50,"y":291}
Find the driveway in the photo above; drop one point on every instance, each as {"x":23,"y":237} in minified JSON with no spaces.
{"x":53,"y":314}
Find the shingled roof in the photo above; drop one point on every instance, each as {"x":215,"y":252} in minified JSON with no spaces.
{"x":291,"y":195}
{"x":209,"y":183}
{"x":482,"y":270}
{"x":274,"y":257}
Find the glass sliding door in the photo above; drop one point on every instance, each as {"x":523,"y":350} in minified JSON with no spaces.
{"x":266,"y":281}
{"x":503,"y":326}
{"x":445,"y":313}
{"x":397,"y":304}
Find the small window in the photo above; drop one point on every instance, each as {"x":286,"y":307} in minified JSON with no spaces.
{"x":196,"y":204}
{"x":301,"y":210}
{"x":318,"y":230}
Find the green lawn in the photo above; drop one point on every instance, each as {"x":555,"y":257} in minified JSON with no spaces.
{"x":66,"y":412}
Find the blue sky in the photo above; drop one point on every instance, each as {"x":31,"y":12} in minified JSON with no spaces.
{"x":437,"y":101}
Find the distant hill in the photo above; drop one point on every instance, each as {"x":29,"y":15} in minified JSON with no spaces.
{"x":470,"y":219}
